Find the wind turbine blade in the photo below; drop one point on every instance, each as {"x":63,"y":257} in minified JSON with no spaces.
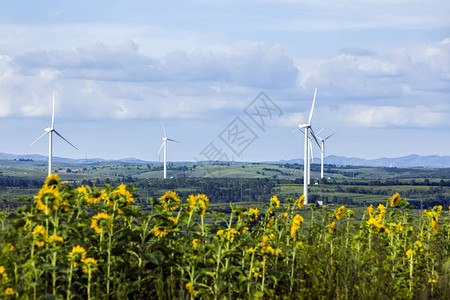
{"x":164,"y":129}
{"x":162,"y":145}
{"x":173,"y":140}
{"x":39,"y":138}
{"x":53,"y":111}
{"x":318,"y":132}
{"x":329,"y":136}
{"x":312,"y":107}
{"x":311,"y":150}
{"x":314,"y":136}
{"x":64,"y":139}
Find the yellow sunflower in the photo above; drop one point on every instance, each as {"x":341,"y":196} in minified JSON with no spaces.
{"x":395,"y":200}
{"x":123,"y":195}
{"x":301,"y":201}
{"x":253,"y":214}
{"x":78,"y":254}
{"x":296,"y":223}
{"x":39,"y":235}
{"x":170,"y":200}
{"x":48,"y":199}
{"x":275,"y":202}
{"x":53,"y":182}
{"x":340,"y":212}
{"x":331,"y":228}
{"x":53,"y":239}
{"x":90,"y":265}
{"x":101,"y":222}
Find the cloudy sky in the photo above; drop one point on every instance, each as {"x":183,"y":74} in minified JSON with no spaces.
{"x":117,"y":68}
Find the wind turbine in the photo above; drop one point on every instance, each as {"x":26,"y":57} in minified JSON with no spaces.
{"x":322,"y":150}
{"x":50,"y":131}
{"x":307,"y":127}
{"x":164,"y":144}
{"x":311,"y":159}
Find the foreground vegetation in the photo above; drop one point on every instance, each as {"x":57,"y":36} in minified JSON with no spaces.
{"x":93,"y":244}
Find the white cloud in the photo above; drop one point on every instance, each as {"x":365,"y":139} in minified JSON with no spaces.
{"x":292,"y":119}
{"x":389,"y":116}
{"x":401,"y":75}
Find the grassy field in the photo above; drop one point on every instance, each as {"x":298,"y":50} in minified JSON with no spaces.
{"x":87,"y":243}
{"x":236,"y":182}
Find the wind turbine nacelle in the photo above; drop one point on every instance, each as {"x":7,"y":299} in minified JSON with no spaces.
{"x":48,"y":129}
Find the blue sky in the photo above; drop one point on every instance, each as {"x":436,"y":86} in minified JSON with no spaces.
{"x":118,"y":68}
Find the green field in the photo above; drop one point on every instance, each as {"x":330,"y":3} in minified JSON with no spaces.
{"x":225,"y":183}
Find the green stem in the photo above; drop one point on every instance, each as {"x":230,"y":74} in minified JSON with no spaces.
{"x":411,"y":268}
{"x":250,"y":272}
{"x":216,"y":286}
{"x":89,"y":285}
{"x":111,"y":231}
{"x":263,"y":274}
{"x":70,"y":281}
{"x":293,"y":266}
{"x":54,"y":273}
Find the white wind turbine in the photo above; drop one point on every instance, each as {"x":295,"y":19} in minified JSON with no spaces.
{"x":311,"y":159}
{"x":164,"y":144}
{"x":322,"y":150}
{"x":50,"y":131}
{"x":307,"y":128}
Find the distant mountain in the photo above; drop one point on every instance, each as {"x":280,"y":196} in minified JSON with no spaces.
{"x":37,"y":157}
{"x":411,"y":161}
{"x":133,"y":160}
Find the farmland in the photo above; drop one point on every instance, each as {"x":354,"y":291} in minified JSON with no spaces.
{"x":226,"y":183}
{"x":95,"y":244}
{"x":242,"y":233}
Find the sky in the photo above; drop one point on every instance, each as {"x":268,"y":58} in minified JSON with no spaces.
{"x":230,"y":80}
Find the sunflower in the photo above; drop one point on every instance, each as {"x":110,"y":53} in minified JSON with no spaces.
{"x":39,"y":235}
{"x":90,"y":265}
{"x":296,"y":223}
{"x":371,"y":210}
{"x":340,"y":212}
{"x":170,"y":200}
{"x":301,"y":201}
{"x":48,"y":199}
{"x":101,"y":221}
{"x":253,"y":213}
{"x":197,"y":203}
{"x":161,"y":232}
{"x":190,"y":289}
{"x":195,"y":243}
{"x":96,"y":197}
{"x":78,"y":254}
{"x":82,"y":190}
{"x":265,"y":244}
{"x":275,"y":202}
{"x":53,"y":239}
{"x":3,"y":274}
{"x":395,"y":200}
{"x":123,"y":196}
{"x":331,"y":228}
{"x":9,"y":291}
{"x":52,"y":182}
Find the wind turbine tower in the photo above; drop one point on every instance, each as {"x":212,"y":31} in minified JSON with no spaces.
{"x":164,"y":145}
{"x":322,"y":150}
{"x":307,"y":127}
{"x":50,"y":132}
